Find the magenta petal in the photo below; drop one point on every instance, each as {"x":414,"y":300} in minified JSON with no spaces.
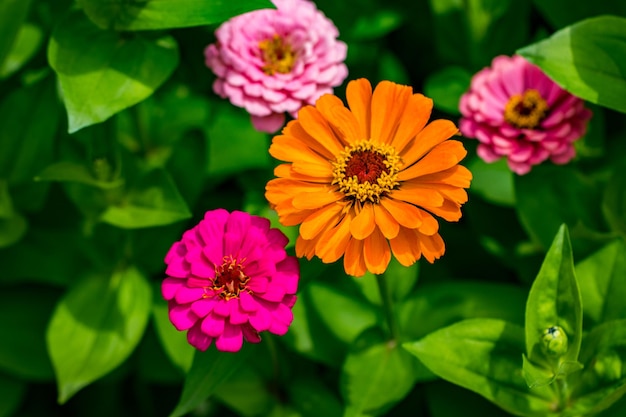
{"x":213,"y":325}
{"x":273,"y":293}
{"x":261,"y":320}
{"x":247,"y":302}
{"x":178,"y":268}
{"x":169,"y":286}
{"x":182,"y":317}
{"x":186,"y":295}
{"x":203,"y":307}
{"x":237,"y":315}
{"x":251,"y":335}
{"x":198,"y":339}
{"x":258,"y":284}
{"x":231,"y":340}
{"x":222,"y":308}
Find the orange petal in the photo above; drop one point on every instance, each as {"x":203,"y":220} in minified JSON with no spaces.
{"x":458,"y":176}
{"x":314,"y":123}
{"x":376,"y":253}
{"x":286,"y":171}
{"x":340,"y":118}
{"x":422,"y":197}
{"x":413,"y":119}
{"x":432,"y":247}
{"x":443,"y":156}
{"x":359,"y":96}
{"x":353,"y":261}
{"x":405,"y":214}
{"x":363,"y":224}
{"x":385,"y":221}
{"x":430,"y":225}
{"x":305,"y":248}
{"x":295,"y":131}
{"x":449,"y":211}
{"x":320,"y":220}
{"x":332,"y":244}
{"x":433,"y":134}
{"x":388,"y":102}
{"x":406,"y":246}
{"x":314,"y":200}
{"x":289,"y":148}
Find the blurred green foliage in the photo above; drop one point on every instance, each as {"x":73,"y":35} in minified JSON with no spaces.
{"x":112,"y":143}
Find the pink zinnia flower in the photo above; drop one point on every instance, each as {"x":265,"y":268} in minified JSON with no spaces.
{"x":273,"y":61}
{"x":517,"y":112}
{"x":229,"y":278}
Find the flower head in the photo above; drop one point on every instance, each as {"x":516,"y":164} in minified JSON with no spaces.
{"x":517,"y":112}
{"x":228,"y":279}
{"x":273,"y":61}
{"x":365,"y":182}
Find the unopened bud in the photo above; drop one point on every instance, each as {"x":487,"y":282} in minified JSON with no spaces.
{"x":555,"y":341}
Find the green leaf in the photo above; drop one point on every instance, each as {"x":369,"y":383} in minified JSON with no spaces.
{"x":12,"y":392}
{"x":375,"y":25}
{"x":13,"y":225}
{"x":96,"y":326}
{"x":601,"y":281}
{"x":446,"y":87}
{"x":485,"y":356}
{"x":494,"y":182}
{"x":603,"y":380}
{"x":209,"y":370}
{"x":614,"y":200}
{"x":561,"y":13}
{"x":12,"y":14}
{"x":585,"y":59}
{"x":68,"y":171}
{"x":103,"y":72}
{"x":554,"y":302}
{"x":165,"y":14}
{"x":26,"y":44}
{"x":391,"y":68}
{"x":345,"y":316}
{"x":153,"y":201}
{"x":258,"y":399}
{"x":313,"y":398}
{"x":29,"y":117}
{"x":466,"y":403}
{"x":24,"y":313}
{"x":174,"y":342}
{"x":374,"y":363}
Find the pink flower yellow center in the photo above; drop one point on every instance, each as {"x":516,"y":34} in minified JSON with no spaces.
{"x":277,"y":55}
{"x":230,"y":278}
{"x":366,"y":171}
{"x":525,"y":111}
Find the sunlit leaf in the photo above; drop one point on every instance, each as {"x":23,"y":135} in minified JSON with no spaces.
{"x":494,"y":182}
{"x":12,"y":14}
{"x":26,"y":44}
{"x":96,"y":326}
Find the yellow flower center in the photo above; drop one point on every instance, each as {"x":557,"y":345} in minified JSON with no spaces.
{"x":526,"y":111}
{"x":366,"y":171}
{"x":277,"y":55}
{"x":230,"y":279}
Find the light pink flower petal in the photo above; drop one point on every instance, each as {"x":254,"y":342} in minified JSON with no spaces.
{"x":268,"y":124}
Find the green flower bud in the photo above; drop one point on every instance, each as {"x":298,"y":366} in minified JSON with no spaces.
{"x":554,"y":341}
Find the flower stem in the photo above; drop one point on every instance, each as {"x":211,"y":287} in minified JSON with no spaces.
{"x":385,"y":296}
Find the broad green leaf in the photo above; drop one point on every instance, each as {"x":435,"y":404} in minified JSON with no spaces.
{"x":12,"y":392}
{"x":24,"y":312}
{"x":585,"y":59}
{"x":208,"y":371}
{"x":446,"y":87}
{"x":234,"y":145}
{"x":313,"y":398}
{"x":174,"y":342}
{"x":102,"y":72}
{"x":372,"y":364}
{"x":485,"y":356}
{"x":603,"y":379}
{"x":602,"y":281}
{"x":166,"y":14}
{"x":391,"y":68}
{"x":375,"y":25}
{"x":68,"y":171}
{"x":152,"y":201}
{"x":439,"y":395}
{"x":400,"y":281}
{"x":96,"y":326}
{"x":29,"y":118}
{"x":12,"y":15}
{"x":554,"y":309}
{"x":614,"y":201}
{"x":12,"y":224}
{"x":26,"y":44}
{"x":550,"y":195}
{"x":346,"y":316}
{"x":561,"y":13}
{"x":494,"y":182}
{"x":152,"y":363}
{"x":258,"y":399}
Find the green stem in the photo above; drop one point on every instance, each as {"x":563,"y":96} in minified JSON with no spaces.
{"x":387,"y":300}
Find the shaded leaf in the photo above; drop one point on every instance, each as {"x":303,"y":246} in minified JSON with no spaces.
{"x":68,"y":171}
{"x":584,"y":59}
{"x":614,"y":201}
{"x":376,"y":24}
{"x":12,"y":392}
{"x":27,"y":42}
{"x":165,"y":14}
{"x":561,"y":13}
{"x":96,"y":326}
{"x":446,"y":87}
{"x":494,"y":182}
{"x":485,"y":356}
{"x":312,"y":398}
{"x":174,"y":342}
{"x":102,"y":72}
{"x":12,"y":14}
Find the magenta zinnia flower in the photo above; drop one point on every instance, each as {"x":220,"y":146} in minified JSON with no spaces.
{"x":517,"y":112}
{"x":273,"y":61}
{"x":229,"y":278}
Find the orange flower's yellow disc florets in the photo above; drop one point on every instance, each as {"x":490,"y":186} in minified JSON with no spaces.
{"x":366,"y":171}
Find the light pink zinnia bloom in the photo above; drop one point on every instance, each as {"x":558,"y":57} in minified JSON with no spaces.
{"x":273,"y":61}
{"x":229,"y":278}
{"x":517,"y":112}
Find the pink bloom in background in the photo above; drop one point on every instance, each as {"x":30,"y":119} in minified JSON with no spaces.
{"x":273,"y":61}
{"x":517,"y":112}
{"x":228,"y":279}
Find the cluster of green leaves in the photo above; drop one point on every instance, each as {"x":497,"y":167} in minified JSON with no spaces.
{"x":112,"y":144}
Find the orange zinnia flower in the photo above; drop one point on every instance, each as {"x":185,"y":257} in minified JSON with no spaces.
{"x":365,"y":182}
